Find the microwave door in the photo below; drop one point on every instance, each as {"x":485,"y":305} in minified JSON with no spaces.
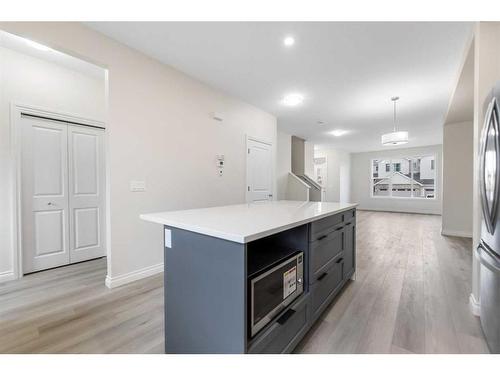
{"x":490,"y":166}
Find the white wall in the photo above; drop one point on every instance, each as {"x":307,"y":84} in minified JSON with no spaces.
{"x":159,"y":130}
{"x":338,"y":174}
{"x":283,"y":163}
{"x":361,"y":185}
{"x":31,"y":81}
{"x":457,"y":194}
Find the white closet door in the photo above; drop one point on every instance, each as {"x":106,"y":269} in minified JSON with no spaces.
{"x":86,"y":193}
{"x":44,"y":194}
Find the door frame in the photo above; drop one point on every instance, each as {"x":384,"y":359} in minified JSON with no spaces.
{"x":270,"y":144}
{"x":16,"y":109}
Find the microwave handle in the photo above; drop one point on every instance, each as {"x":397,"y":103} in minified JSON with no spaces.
{"x":284,"y":318}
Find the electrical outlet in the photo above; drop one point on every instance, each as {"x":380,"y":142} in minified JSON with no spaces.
{"x":137,"y":186}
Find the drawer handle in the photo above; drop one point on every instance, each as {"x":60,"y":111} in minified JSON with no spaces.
{"x":284,"y":318}
{"x":322,"y":237}
{"x":340,"y":260}
{"x":322,"y":276}
{"x":348,"y":223}
{"x":339,"y":228}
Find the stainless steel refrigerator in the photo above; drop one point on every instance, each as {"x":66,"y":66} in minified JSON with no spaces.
{"x":488,"y":251}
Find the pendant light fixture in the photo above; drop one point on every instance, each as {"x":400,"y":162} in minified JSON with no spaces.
{"x":396,"y":137}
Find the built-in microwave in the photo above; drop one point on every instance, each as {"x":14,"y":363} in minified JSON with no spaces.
{"x":273,"y":288}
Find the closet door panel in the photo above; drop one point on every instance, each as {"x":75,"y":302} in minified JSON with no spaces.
{"x":86,"y":192}
{"x":44,"y":194}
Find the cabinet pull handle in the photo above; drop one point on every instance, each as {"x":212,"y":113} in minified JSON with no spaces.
{"x":339,"y":228}
{"x":348,"y":223}
{"x":322,"y":237}
{"x":284,"y":318}
{"x":340,"y":260}
{"x":322,"y":276}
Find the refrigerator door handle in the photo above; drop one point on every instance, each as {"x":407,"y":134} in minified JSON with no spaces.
{"x":490,"y":210}
{"x":488,"y":259}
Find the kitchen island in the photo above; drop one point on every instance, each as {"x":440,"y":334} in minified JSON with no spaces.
{"x":208,"y":254}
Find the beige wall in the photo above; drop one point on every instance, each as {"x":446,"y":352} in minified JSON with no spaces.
{"x":298,"y":155}
{"x":361,"y":186}
{"x":160,"y":131}
{"x":283,"y":163}
{"x":309,"y":159}
{"x":31,"y":81}
{"x":457,"y":179}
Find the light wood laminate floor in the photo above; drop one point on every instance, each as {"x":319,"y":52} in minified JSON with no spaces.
{"x":410,"y":296}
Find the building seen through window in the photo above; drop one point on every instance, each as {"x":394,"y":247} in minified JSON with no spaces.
{"x":411,"y":177}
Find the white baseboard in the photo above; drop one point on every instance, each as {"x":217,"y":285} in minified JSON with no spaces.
{"x":113,"y":282}
{"x":475,"y":307}
{"x":456,"y":233}
{"x":402,"y":211}
{"x":7,"y":276}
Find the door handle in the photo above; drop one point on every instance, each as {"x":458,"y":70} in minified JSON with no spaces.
{"x":488,"y":259}
{"x":322,"y":276}
{"x":284,"y":318}
{"x":489,"y":212}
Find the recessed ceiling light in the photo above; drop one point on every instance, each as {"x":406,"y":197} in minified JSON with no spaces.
{"x":338,"y":132}
{"x":37,"y":46}
{"x":293,"y":99}
{"x":289,"y":41}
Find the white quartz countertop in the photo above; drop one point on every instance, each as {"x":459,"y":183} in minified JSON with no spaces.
{"x":247,"y":222}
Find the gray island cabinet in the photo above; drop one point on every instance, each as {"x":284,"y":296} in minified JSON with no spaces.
{"x":207,"y":256}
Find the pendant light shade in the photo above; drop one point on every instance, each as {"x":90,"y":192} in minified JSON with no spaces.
{"x":396,"y":137}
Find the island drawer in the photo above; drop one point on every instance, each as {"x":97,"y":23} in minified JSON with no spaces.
{"x":324,"y":289}
{"x":349,"y":215}
{"x":319,"y":227}
{"x":285,"y":332}
{"x":324,"y":250}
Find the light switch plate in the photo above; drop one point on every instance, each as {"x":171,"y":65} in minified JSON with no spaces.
{"x":168,"y":238}
{"x":136,"y":186}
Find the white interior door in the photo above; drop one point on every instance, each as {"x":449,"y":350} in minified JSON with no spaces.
{"x":259,"y":171}
{"x":44,"y":194}
{"x":86,"y":192}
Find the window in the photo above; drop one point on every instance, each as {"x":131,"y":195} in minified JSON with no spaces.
{"x":407,"y":177}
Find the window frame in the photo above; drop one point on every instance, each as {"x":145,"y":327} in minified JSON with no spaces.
{"x":391,"y":170}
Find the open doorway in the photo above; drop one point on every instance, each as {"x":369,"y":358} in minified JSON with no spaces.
{"x":53,"y":106}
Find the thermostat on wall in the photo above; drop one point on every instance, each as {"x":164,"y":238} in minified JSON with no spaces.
{"x":220,"y":164}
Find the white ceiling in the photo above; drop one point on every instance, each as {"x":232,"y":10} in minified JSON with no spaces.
{"x":21,"y":45}
{"x":346,"y":71}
